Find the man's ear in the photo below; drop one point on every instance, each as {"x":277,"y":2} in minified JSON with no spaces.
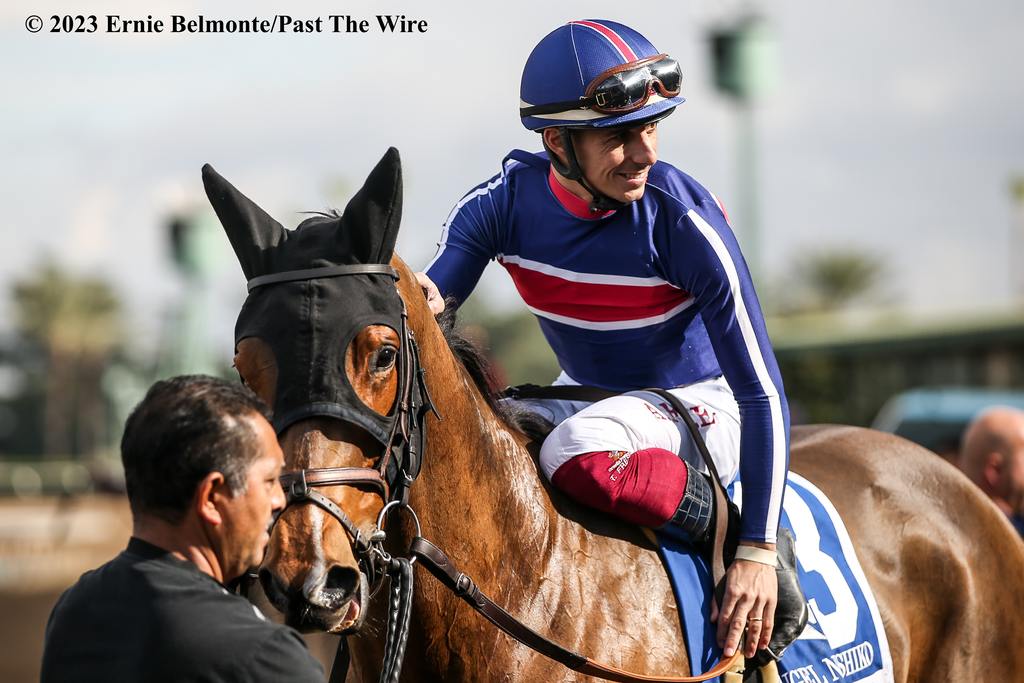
{"x":553,"y":143}
{"x":209,"y":493}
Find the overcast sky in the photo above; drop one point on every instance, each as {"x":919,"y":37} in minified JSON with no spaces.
{"x":895,"y":127}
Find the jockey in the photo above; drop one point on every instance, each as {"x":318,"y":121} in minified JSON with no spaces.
{"x":637,"y":281}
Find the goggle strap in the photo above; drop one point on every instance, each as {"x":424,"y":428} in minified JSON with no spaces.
{"x":556,"y":107}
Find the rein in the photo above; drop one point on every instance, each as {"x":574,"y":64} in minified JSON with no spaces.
{"x":399,"y":467}
{"x":445,"y":571}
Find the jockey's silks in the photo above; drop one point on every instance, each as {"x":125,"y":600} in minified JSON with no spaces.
{"x":655,"y":294}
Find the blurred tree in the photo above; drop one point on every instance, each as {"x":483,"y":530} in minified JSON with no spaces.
{"x":830,"y":280}
{"x":72,"y":326}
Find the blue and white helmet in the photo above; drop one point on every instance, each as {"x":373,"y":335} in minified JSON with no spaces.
{"x":570,"y":58}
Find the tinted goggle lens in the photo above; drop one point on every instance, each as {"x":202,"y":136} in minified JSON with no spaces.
{"x":669,"y":75}
{"x":630,"y":89}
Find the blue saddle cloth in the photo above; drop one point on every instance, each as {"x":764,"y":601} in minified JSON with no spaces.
{"x":844,"y":640}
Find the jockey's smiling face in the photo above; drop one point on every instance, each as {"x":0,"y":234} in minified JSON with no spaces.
{"x":615,"y":161}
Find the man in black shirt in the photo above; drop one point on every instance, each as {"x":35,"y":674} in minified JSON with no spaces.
{"x":202,"y":464}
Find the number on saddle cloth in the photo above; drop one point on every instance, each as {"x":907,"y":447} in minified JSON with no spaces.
{"x":844,"y":639}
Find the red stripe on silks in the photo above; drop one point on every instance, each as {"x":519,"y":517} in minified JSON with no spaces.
{"x":575,"y":205}
{"x":613,"y":37}
{"x":644,"y":488}
{"x":593,"y":302}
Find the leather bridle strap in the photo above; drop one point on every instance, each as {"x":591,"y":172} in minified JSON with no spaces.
{"x":298,"y":489}
{"x":438,"y":564}
{"x":316,"y":273}
{"x":337,"y":476}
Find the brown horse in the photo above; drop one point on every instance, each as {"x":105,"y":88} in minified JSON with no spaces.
{"x":946,"y":568}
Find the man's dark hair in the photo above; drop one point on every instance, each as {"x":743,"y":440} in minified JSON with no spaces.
{"x":185,"y":428}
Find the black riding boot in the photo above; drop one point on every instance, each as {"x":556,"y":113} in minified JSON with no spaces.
{"x":692,"y":521}
{"x":791,"y":612}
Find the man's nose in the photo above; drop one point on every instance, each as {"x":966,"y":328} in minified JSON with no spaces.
{"x":643,"y":150}
{"x":277,"y":499}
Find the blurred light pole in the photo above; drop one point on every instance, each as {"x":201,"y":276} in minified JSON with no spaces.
{"x":1017,"y":236}
{"x":195,"y":241}
{"x":745,"y":62}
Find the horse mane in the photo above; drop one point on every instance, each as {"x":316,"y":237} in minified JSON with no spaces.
{"x":515,"y":417}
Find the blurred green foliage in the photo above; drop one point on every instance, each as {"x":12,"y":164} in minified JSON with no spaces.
{"x":68,"y":328}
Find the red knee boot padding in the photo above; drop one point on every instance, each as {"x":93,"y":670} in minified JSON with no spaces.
{"x":644,"y":487}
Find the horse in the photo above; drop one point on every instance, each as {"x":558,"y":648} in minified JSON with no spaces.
{"x":330,"y":352}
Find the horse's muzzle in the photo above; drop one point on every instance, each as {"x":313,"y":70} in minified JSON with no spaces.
{"x":338,"y":606}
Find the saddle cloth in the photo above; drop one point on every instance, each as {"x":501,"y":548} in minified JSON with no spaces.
{"x":844,"y":640}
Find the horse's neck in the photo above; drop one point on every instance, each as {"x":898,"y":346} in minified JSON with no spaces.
{"x":479,"y":483}
{"x":481,"y":499}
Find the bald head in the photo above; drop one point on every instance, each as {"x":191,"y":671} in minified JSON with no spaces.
{"x":992,"y":456}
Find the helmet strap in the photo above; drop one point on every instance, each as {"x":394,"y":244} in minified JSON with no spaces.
{"x":572,"y":170}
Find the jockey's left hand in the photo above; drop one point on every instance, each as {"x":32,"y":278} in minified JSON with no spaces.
{"x":434,"y":299}
{"x":751,"y":593}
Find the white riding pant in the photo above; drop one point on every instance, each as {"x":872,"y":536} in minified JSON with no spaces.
{"x":639,"y":420}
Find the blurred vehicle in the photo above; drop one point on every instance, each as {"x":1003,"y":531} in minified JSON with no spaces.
{"x":936,"y":417}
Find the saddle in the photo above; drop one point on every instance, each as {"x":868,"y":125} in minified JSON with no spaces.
{"x":791,"y":612}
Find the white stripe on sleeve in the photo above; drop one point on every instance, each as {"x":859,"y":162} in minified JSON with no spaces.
{"x":480,"y":191}
{"x":763,"y":376}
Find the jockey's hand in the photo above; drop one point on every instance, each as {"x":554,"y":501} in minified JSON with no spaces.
{"x":751,"y":593}
{"x":434,"y":300}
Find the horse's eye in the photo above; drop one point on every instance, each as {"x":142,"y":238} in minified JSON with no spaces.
{"x":385,"y":358}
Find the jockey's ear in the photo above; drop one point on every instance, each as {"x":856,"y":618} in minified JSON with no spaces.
{"x":253,"y":233}
{"x":369,"y":226}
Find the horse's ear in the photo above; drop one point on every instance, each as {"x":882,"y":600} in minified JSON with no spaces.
{"x":253,"y":233}
{"x":370,"y":222}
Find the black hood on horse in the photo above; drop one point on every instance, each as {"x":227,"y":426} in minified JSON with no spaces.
{"x":305,"y":341}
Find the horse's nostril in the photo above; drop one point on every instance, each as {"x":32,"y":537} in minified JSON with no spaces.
{"x":345,"y":580}
{"x":272,"y":589}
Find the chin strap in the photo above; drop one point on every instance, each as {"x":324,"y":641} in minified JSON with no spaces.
{"x":572,"y":170}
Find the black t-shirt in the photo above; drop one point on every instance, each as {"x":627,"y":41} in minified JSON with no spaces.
{"x":149,"y":616}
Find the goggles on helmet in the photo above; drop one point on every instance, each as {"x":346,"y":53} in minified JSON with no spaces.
{"x":622,"y":89}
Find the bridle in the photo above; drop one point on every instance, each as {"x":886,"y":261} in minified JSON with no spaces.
{"x":400,"y":465}
{"x":403,"y":450}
